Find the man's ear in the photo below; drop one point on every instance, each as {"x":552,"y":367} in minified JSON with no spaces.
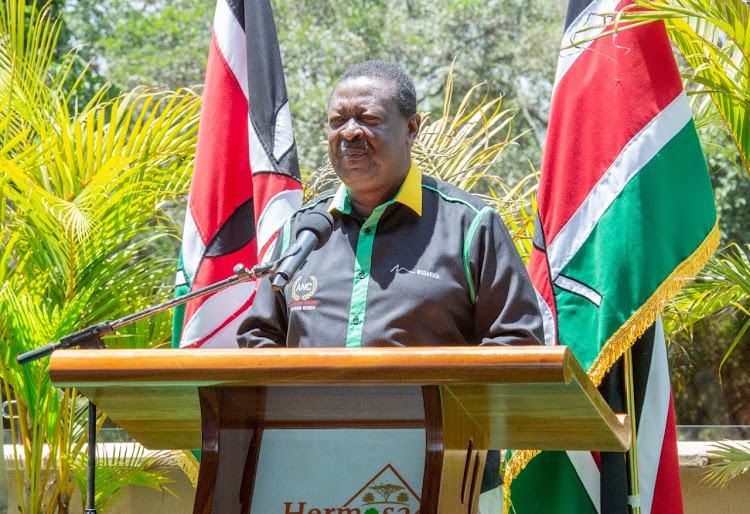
{"x":413,"y":123}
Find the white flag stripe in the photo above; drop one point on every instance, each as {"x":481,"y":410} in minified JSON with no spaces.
{"x":283,"y":137}
{"x":636,"y":154}
{"x":227,"y":336}
{"x":214,"y":312}
{"x":653,"y":420}
{"x":231,"y":40}
{"x":588,"y":473}
{"x":267,"y":256}
{"x":277,"y":211}
{"x":548,"y":320}
{"x":259,"y":160}
{"x":179,"y":279}
{"x":580,"y":29}
{"x":576,"y":287}
{"x":192,"y":246}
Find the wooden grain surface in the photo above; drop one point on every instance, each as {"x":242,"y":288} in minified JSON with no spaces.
{"x":526,"y":397}
{"x":300,"y":366}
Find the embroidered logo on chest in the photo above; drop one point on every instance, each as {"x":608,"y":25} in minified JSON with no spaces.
{"x":302,"y":290}
{"x":431,"y":274}
{"x":304,"y":287}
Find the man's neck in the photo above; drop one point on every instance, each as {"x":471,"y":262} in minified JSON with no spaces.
{"x":361,"y":208}
{"x":365,"y":204}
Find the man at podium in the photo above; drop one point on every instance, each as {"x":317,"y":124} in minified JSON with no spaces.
{"x":412,"y":261}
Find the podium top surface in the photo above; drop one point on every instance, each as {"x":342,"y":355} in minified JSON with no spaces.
{"x":315,"y":366}
{"x":526,"y":397}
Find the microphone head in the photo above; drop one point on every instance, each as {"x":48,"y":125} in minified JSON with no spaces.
{"x":319,"y":223}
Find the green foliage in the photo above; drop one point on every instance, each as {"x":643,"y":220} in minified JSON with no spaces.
{"x":510,"y":44}
{"x":119,"y":468}
{"x":83,"y":196}
{"x":154,"y":42}
{"x":734,"y":460}
{"x":730,"y":183}
{"x":724,"y":283}
{"x":713,"y":38}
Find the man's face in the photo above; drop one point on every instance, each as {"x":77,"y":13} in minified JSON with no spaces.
{"x":369,"y":141}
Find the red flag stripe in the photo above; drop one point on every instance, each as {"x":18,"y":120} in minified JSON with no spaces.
{"x":602,"y":118}
{"x":585,"y":25}
{"x":539,"y":273}
{"x":657,"y":444}
{"x":226,"y":199}
{"x":214,"y":269}
{"x":667,"y":497}
{"x":223,"y":145}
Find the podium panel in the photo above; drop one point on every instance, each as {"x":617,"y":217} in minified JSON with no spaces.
{"x":460,"y":400}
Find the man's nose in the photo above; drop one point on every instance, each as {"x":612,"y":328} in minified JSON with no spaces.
{"x":351,"y":130}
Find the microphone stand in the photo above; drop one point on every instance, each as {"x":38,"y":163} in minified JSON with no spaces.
{"x":90,"y":337}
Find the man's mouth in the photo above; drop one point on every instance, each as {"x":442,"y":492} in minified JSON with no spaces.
{"x":352,"y":154}
{"x":352,"y":150}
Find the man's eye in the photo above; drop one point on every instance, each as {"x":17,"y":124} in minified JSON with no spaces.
{"x":335,"y":121}
{"x":369,"y":117}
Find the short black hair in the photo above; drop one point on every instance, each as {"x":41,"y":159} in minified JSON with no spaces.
{"x":405,"y":95}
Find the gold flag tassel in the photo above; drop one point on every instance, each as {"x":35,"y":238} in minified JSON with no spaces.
{"x":626,"y":335}
{"x":188,"y":463}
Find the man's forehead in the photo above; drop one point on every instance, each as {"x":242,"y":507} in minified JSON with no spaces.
{"x":364,"y":90}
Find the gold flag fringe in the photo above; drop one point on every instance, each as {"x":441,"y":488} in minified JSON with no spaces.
{"x":626,"y":335}
{"x":647,"y":313}
{"x":188,"y":463}
{"x":516,"y":463}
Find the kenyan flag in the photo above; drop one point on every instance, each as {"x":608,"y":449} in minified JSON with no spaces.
{"x":626,"y":217}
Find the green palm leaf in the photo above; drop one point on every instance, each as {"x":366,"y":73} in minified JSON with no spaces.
{"x":84,"y":231}
{"x":734,"y":460}
{"x":715,"y":40}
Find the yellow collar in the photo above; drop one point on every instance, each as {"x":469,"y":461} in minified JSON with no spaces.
{"x":410,"y":194}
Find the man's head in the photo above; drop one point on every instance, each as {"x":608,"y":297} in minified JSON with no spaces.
{"x":373,"y":122}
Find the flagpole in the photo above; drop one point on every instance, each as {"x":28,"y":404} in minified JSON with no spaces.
{"x":634,"y":499}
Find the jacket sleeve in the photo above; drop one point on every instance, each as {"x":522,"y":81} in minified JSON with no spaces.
{"x":506,"y":310}
{"x":267,"y":321}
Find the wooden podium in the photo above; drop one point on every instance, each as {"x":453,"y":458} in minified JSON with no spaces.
{"x":467,"y":399}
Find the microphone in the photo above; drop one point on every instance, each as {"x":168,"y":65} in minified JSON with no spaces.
{"x":315,"y":230}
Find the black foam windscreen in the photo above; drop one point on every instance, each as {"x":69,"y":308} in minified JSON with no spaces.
{"x":319,"y":223}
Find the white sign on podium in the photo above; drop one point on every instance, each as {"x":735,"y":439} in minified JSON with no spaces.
{"x":339,"y":471}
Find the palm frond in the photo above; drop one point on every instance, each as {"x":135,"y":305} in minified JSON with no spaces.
{"x":734,"y":460}
{"x":713,"y":38}
{"x":461,"y":147}
{"x":123,"y":465}
{"x":83,"y":192}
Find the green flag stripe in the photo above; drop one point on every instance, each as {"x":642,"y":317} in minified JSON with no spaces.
{"x":634,"y":156}
{"x":560,"y":491}
{"x":660,"y":218}
{"x":178,"y":313}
